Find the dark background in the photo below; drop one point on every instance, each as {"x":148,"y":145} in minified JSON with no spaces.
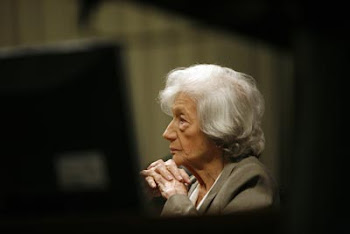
{"x":74,"y":105}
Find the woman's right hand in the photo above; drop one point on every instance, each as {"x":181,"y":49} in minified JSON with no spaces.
{"x":165,"y":178}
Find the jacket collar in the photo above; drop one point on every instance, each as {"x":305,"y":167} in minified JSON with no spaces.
{"x":225,"y":174}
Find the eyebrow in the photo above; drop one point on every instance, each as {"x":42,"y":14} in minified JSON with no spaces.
{"x":180,"y":109}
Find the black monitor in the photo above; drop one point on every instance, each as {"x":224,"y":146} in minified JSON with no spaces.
{"x":66,"y":131}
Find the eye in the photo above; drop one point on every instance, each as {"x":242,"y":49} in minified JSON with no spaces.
{"x":182,"y":120}
{"x":183,"y":123}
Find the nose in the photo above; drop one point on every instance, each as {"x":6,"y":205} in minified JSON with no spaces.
{"x":170,"y":133}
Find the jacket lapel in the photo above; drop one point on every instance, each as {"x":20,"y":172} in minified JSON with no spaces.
{"x":225,"y":174}
{"x":193,"y":185}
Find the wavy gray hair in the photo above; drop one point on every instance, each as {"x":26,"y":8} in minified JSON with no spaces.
{"x":229,"y":106}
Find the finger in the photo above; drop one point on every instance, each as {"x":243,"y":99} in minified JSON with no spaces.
{"x":185,"y":176}
{"x":148,"y":178}
{"x":158,"y":178}
{"x":156,"y":163}
{"x":163,"y":170}
{"x":172,"y":167}
{"x":151,"y":182}
{"x":145,"y":173}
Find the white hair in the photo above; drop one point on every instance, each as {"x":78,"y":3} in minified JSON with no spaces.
{"x":229,"y":106}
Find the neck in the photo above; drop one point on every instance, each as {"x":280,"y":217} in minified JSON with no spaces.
{"x":207,"y":174}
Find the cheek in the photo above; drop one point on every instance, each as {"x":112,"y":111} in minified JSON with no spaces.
{"x":193,"y":144}
{"x":186,"y":142}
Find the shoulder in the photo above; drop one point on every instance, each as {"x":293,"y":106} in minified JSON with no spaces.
{"x":248,"y":186}
{"x":250,"y":166}
{"x":250,"y":172}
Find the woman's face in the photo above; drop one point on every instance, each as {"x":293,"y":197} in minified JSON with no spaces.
{"x":188,"y":144}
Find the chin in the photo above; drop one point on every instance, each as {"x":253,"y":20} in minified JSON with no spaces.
{"x":177,"y":159}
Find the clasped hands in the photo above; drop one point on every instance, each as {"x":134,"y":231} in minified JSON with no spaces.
{"x":165,"y":178}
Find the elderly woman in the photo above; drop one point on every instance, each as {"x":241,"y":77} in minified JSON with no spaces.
{"x":215,"y":134}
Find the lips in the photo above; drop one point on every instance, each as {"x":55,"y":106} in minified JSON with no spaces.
{"x":173,"y":150}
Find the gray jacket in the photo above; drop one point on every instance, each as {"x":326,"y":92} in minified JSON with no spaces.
{"x":243,"y":186}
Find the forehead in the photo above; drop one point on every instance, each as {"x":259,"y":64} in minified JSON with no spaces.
{"x":183,"y":102}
